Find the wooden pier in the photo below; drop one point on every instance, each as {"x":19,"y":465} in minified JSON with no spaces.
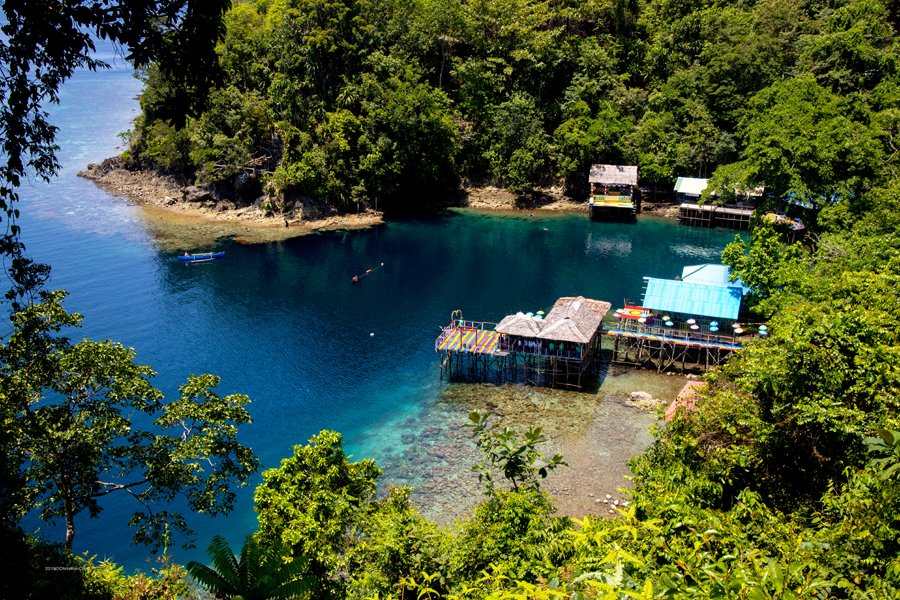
{"x":612,"y":208}
{"x":509,"y":362}
{"x":707,"y":215}
{"x":565,"y":347}
{"x":647,"y":346}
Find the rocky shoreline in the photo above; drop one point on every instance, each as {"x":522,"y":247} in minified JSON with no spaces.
{"x":226,"y":212}
{"x":242,"y":212}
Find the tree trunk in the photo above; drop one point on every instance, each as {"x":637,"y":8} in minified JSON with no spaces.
{"x":443,"y":59}
{"x":70,"y":516}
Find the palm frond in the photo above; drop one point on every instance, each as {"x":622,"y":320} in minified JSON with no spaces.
{"x":209,"y":579}
{"x":224,"y":561}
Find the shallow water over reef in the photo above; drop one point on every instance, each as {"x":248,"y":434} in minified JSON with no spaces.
{"x":282,"y":323}
{"x":596,"y":432}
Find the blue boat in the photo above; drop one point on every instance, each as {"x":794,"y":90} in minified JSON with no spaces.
{"x":201,"y":257}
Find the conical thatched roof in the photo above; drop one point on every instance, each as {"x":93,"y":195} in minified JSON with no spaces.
{"x":520,"y":324}
{"x":574,"y":319}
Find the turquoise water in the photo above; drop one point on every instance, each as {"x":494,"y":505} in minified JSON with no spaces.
{"x":282,"y":323}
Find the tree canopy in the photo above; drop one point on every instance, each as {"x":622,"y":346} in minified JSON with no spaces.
{"x":782,"y":483}
{"x":76,"y":427}
{"x":798,"y":97}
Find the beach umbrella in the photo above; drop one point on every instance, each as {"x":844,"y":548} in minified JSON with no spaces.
{"x":529,"y":314}
{"x":617,"y":315}
{"x":738,"y":330}
{"x":540,"y":312}
{"x":714,"y":324}
{"x":669,"y":323}
{"x":691,"y":321}
{"x":695,"y":327}
{"x":642,"y":320}
{"x":667,"y":318}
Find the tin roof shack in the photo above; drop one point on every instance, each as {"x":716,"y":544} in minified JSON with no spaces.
{"x":693,"y":300}
{"x":691,"y":320}
{"x":613,"y":192}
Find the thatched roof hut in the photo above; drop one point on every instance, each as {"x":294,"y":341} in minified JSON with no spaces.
{"x":565,"y":330}
{"x":613,"y":175}
{"x":574,"y":319}
{"x":520,"y":324}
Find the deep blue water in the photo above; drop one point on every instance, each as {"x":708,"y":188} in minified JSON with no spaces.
{"x":282,"y":323}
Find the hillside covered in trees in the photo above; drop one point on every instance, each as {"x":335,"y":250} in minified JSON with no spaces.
{"x":401,"y":100}
{"x":783,"y":483}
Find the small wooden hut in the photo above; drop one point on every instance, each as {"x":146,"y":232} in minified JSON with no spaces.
{"x":613,"y":192}
{"x":555,"y":350}
{"x":519,"y":325}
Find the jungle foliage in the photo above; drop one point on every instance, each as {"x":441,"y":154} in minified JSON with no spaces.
{"x":782,"y":483}
{"x":351,"y":101}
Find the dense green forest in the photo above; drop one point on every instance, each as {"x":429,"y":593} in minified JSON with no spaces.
{"x":401,"y":100}
{"x":783,"y":483}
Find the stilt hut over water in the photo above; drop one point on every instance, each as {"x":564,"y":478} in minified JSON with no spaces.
{"x":613,"y":190}
{"x":693,"y":319}
{"x":735,"y":215}
{"x":555,"y":350}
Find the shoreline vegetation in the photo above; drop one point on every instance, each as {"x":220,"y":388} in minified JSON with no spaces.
{"x":782,"y":482}
{"x":168,"y":199}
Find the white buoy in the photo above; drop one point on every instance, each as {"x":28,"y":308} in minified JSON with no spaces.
{"x":372,"y":334}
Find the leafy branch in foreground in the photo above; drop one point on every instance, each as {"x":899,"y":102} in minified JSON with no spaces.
{"x":885,"y":450}
{"x":515,"y":457}
{"x":72,"y":417}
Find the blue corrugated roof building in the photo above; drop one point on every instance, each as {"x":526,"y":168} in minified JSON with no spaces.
{"x":685,"y":297}
{"x":711,"y":275}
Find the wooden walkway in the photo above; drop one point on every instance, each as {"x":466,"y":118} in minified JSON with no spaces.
{"x":663,"y":347}
{"x":707,"y":215}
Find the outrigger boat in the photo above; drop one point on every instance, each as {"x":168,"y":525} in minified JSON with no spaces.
{"x":201,"y":257}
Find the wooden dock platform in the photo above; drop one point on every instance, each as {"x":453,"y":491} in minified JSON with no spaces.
{"x":557,"y":350}
{"x":646,"y":346}
{"x":707,"y":215}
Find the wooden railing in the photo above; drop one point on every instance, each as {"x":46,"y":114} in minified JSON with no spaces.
{"x":678,"y":331}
